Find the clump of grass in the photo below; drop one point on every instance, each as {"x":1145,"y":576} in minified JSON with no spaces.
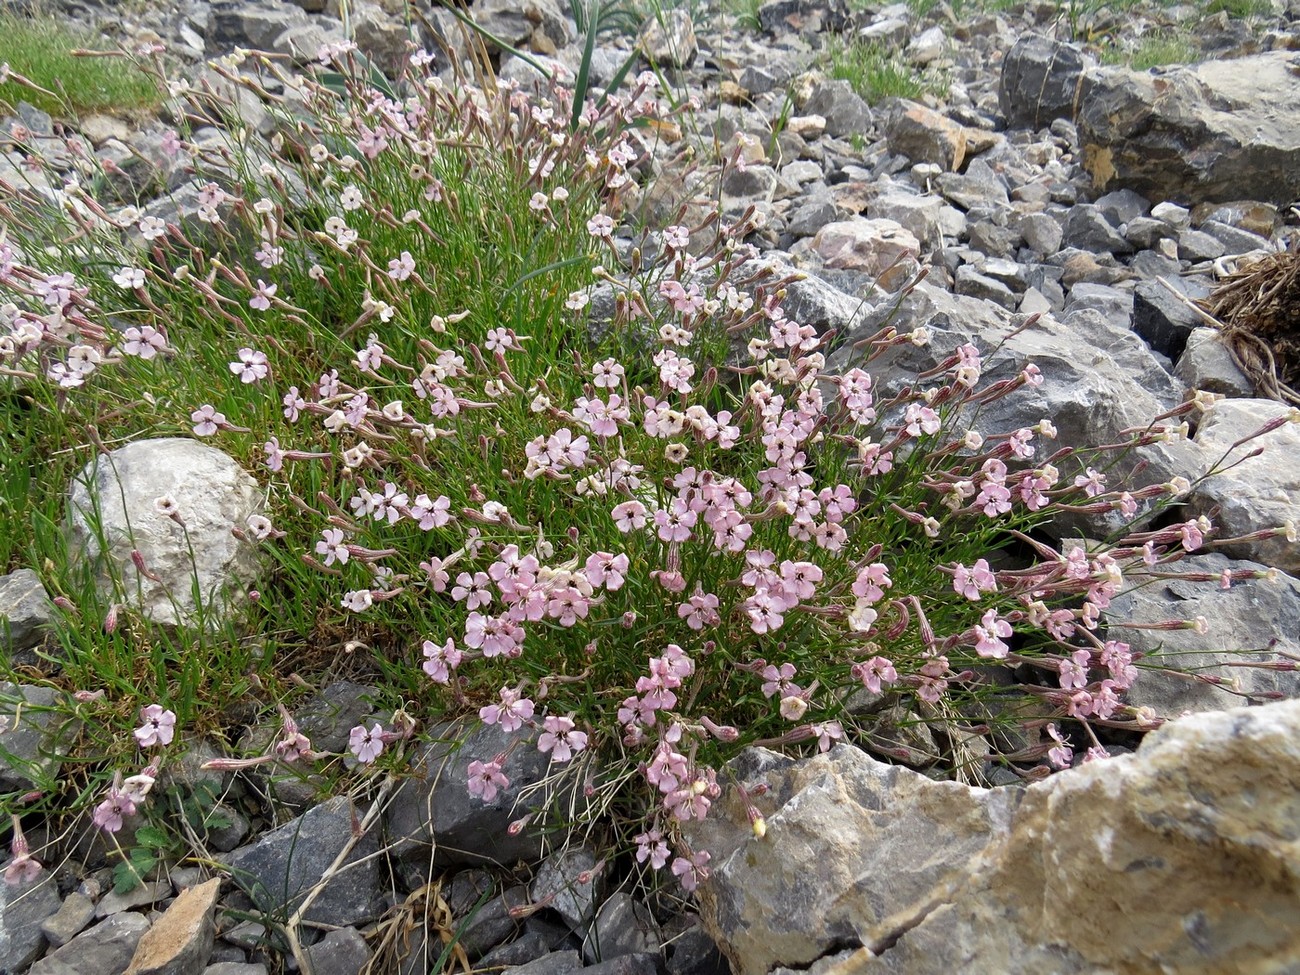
{"x":745,"y":13}
{"x":607,"y":497}
{"x":1152,"y":51}
{"x":43,"y":51}
{"x":1240,"y":9}
{"x":876,"y":73}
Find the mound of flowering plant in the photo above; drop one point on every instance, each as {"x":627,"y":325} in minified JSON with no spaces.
{"x":638,"y":547}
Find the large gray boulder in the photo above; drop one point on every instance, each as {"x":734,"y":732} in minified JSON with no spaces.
{"x":1259,"y":492}
{"x":1041,"y":80}
{"x":1215,"y":131}
{"x":113,"y":512}
{"x":1252,"y":622}
{"x":1179,"y":857}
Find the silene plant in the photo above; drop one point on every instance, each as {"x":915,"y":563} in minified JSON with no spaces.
{"x":583,"y":480}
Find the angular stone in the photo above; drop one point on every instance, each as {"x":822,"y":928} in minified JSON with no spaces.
{"x":105,"y":949}
{"x":341,"y":952}
{"x":555,"y":963}
{"x":920,"y":215}
{"x":1195,"y":246}
{"x":142,"y":895}
{"x":1260,"y":492}
{"x":1162,"y":319}
{"x":845,"y":112}
{"x":978,"y":185}
{"x":881,"y":248}
{"x":1087,"y":228}
{"x":1041,"y":232}
{"x":1041,"y":80}
{"x":568,"y":883}
{"x":34,"y":735}
{"x":1253,"y":621}
{"x":1207,"y":364}
{"x":668,"y":38}
{"x":623,"y":926}
{"x":434,"y":807}
{"x":923,"y":135}
{"x":181,"y":939}
{"x":24,"y":910}
{"x":1206,"y":132}
{"x":112,"y":513}
{"x":76,"y":912}
{"x":1187,"y":847}
{"x":281,"y":868}
{"x":25,"y":612}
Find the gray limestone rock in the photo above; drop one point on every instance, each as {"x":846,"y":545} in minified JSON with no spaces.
{"x":930,"y":876}
{"x":1205,"y":363}
{"x":434,"y":807}
{"x":35,"y":733}
{"x":1260,"y":492}
{"x":1253,"y":621}
{"x":73,"y":915}
{"x":105,"y":949}
{"x":1196,"y":133}
{"x":341,"y":952}
{"x":283,"y":865}
{"x":25,"y":613}
{"x":1041,"y":80}
{"x":25,"y":908}
{"x":113,"y":513}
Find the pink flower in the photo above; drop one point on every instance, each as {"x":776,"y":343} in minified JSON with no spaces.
{"x":159,"y":727}
{"x":872,"y":581}
{"x":333,"y":547}
{"x":560,"y":739}
{"x":207,"y":420}
{"x":261,"y":300}
{"x":439,"y":661}
{"x":975,"y":580}
{"x":988,"y":632}
{"x":605,"y":569}
{"x":568,"y":605}
{"x":251,"y":367}
{"x":700,"y":610}
{"x":110,"y":813}
{"x":401,"y":268}
{"x":1073,"y":671}
{"x":875,"y":673}
{"x":629,"y":515}
{"x":652,"y":846}
{"x":512,"y":713}
{"x":145,"y":342}
{"x":474,"y":589}
{"x":485,"y":778}
{"x":1061,"y":754}
{"x":691,"y":872}
{"x":366,"y":745}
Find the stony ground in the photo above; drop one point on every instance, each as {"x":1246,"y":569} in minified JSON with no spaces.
{"x":1030,"y":179}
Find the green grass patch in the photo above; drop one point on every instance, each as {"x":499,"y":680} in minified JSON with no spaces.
{"x":43,"y":52}
{"x":876,"y":73}
{"x":1152,"y":51}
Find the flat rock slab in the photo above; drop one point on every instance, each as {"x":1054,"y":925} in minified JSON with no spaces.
{"x":281,"y":868}
{"x":180,"y":941}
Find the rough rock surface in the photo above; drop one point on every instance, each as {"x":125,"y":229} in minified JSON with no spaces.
{"x":1259,"y":493}
{"x":113,"y":512}
{"x":1199,"y":133}
{"x":1180,"y":857}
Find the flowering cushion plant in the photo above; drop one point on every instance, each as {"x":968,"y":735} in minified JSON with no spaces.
{"x":658,"y":541}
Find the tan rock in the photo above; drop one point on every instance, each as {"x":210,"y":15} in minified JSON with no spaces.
{"x":180,"y":941}
{"x":1182,"y":857}
{"x":881,"y":248}
{"x":924,"y":135}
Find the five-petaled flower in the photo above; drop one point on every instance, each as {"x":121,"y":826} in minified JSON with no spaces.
{"x":158,"y":727}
